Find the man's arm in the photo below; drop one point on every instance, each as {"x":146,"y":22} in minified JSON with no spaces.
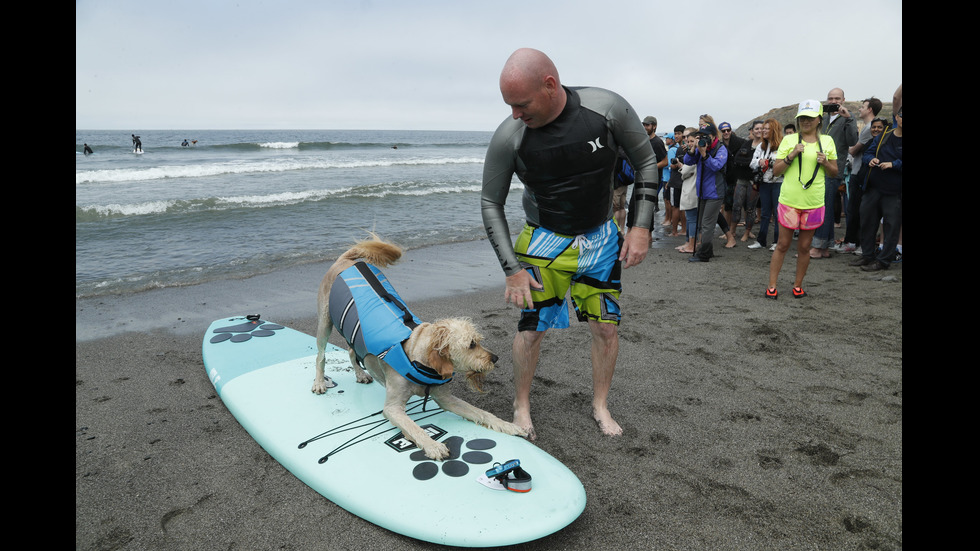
{"x":498,"y":171}
{"x":636,"y":144}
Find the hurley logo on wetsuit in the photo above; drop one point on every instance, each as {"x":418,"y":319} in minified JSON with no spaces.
{"x":596,"y":146}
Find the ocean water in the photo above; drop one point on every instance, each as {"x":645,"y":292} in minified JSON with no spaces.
{"x":240,"y":203}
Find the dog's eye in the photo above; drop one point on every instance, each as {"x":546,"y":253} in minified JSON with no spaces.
{"x":472,"y":345}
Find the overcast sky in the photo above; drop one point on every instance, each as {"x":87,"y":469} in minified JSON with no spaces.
{"x":434,"y":64}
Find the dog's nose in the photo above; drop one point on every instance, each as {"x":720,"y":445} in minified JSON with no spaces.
{"x":493,"y":358}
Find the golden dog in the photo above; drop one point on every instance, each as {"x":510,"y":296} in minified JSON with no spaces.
{"x":447,"y":346}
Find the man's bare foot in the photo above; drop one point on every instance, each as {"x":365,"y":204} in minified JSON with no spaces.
{"x":522,"y":418}
{"x":607,"y":424}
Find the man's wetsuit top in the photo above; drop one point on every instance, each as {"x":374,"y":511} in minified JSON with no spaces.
{"x":566,"y":167}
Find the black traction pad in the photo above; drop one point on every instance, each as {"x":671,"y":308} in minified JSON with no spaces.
{"x":244,"y":331}
{"x":452,"y":466}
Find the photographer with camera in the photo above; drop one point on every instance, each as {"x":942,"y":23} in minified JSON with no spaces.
{"x":841,"y":126}
{"x":710,"y":157}
{"x":806,"y":161}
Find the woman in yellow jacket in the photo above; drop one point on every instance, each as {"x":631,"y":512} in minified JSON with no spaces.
{"x":804,"y":164}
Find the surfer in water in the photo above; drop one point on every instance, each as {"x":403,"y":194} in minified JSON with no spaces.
{"x":87,"y":150}
{"x":184,"y":143}
{"x":137,"y":144}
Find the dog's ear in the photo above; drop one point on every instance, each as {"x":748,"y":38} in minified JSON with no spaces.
{"x":439,"y":360}
{"x":439,"y":356}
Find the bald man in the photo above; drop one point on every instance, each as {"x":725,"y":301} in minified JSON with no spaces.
{"x":562,"y":143}
{"x":841,"y":126}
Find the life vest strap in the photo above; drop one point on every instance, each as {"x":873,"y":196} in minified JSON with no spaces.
{"x":375,"y":284}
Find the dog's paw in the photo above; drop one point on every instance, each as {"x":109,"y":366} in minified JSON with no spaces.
{"x":436,"y":450}
{"x":319,"y":386}
{"x":364,"y":378}
{"x":510,"y":428}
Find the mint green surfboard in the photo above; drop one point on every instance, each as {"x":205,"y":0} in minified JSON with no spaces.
{"x":340,"y":445}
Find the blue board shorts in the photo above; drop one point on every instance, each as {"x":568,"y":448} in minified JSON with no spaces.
{"x":586,"y":264}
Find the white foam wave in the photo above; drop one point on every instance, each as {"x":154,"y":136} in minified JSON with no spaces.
{"x":409,"y":189}
{"x":280,"y":145}
{"x":276,"y":165}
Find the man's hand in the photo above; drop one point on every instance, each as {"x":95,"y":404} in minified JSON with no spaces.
{"x":517,"y":289}
{"x":636,"y":245}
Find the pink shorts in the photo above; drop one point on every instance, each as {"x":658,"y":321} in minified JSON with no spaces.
{"x":799,"y":219}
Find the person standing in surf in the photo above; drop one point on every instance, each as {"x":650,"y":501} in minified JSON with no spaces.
{"x":137,"y":144}
{"x":562,"y":143}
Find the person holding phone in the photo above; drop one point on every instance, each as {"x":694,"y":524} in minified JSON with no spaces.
{"x":841,"y":126}
{"x":805,"y":161}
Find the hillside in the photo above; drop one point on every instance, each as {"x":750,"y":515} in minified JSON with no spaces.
{"x":787,"y":114}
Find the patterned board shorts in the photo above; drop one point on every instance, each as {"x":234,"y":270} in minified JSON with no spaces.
{"x":799,"y":219}
{"x":586,"y":264}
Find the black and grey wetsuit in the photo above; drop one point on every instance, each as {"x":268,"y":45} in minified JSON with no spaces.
{"x":566,"y":167}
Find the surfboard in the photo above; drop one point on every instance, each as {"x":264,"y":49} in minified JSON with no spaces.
{"x":138,"y":152}
{"x":339,"y":444}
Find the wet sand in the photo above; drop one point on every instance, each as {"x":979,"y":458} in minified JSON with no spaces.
{"x":748,"y":423}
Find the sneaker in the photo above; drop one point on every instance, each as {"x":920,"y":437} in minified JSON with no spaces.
{"x":772,"y":293}
{"x":772,"y":247}
{"x":875,"y":266}
{"x":857,"y":251}
{"x":845,"y":248}
{"x":861,"y":261}
{"x":798,"y":292}
{"x":756,"y":245}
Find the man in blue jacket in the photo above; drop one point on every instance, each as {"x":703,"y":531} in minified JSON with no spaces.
{"x":882,"y":199}
{"x":710,"y":157}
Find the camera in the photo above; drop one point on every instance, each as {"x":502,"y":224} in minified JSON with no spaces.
{"x":831,"y":108}
{"x":702,"y":141}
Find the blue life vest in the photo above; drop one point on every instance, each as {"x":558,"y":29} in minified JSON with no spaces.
{"x":368,"y":312}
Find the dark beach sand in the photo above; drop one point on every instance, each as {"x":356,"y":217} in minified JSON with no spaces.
{"x":749,"y":423}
